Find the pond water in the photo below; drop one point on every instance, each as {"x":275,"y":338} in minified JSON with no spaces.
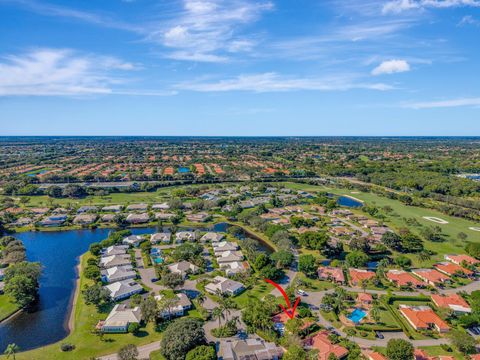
{"x":349,"y":202}
{"x":58,"y":252}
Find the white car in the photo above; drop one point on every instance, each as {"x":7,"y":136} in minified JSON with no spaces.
{"x":301,"y":292}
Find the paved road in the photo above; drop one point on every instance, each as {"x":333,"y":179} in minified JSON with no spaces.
{"x":147,"y":274}
{"x":143,"y":352}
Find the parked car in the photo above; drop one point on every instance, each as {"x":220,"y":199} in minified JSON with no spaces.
{"x":301,"y":292}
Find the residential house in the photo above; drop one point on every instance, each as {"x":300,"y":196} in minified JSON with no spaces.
{"x":325,"y":347}
{"x":180,"y":308}
{"x":402,"y":278}
{"x":137,"y":207}
{"x":133,"y":240}
{"x":250,"y":348}
{"x":164,"y":216}
{"x":423,"y":318}
{"x":108,"y":218}
{"x":54,"y":220}
{"x":460,"y":259}
{"x":85,"y":209}
{"x":164,"y":237}
{"x":138,"y":218}
{"x":341,"y":231}
{"x":357,"y":276}
{"x":451,"y":301}
{"x":162,"y":206}
{"x":2,"y":274}
{"x":432,"y":276}
{"x":200,"y":217}
{"x":420,"y":354}
{"x":123,"y":289}
{"x":115,"y":260}
{"x":223,"y":246}
{"x":118,"y":273}
{"x":229,"y":256}
{"x":331,"y":274}
{"x":39,"y":211}
{"x":364,"y":298}
{"x":113,"y":208}
{"x":23,"y":221}
{"x":120,"y":318}
{"x":451,"y":269}
{"x":182,"y":236}
{"x":234,"y":267}
{"x":213,"y":237}
{"x":2,"y":287}
{"x":224,"y":286}
{"x":375,"y":356}
{"x":85,"y":219}
{"x":115,"y":250}
{"x":183,"y":268}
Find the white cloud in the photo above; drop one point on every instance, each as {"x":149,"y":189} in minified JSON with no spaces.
{"x":273,"y":82}
{"x":64,"y":72}
{"x":391,"y":67}
{"x":208,"y":30}
{"x":469,"y":20}
{"x":461,"y":102}
{"x":398,"y":6}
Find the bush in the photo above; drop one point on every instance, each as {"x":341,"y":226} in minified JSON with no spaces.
{"x":133,"y":328}
{"x":65,"y":347}
{"x":228,"y":330}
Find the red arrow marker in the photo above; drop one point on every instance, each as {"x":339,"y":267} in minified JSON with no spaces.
{"x":289,"y":310}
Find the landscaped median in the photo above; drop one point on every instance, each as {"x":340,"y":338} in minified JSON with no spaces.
{"x":86,"y":343}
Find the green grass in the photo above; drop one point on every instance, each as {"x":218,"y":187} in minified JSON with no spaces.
{"x":7,"y":307}
{"x":437,"y":351}
{"x":314,"y":284}
{"x":259,"y":291}
{"x":87,"y":344}
{"x":156,"y":355}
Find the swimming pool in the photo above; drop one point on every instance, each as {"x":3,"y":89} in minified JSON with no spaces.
{"x":183,"y":170}
{"x":158,"y":260}
{"x":357,"y":315}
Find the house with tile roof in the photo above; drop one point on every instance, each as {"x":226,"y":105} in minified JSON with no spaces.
{"x":325,"y":347}
{"x":451,"y":301}
{"x":249,"y":349}
{"x":123,"y":289}
{"x":224,"y":286}
{"x":120,"y":318}
{"x":423,"y":318}
{"x":359,"y":275}
{"x":432,"y":277}
{"x":331,"y":274}
{"x":451,"y":269}
{"x":403,"y":278}
{"x":460,"y":259}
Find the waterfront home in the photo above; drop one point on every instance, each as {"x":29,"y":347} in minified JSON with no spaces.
{"x":325,"y":347}
{"x":213,"y":237}
{"x":461,"y":259}
{"x":229,"y":256}
{"x":357,"y":276}
{"x":402,"y":278}
{"x":200,"y":217}
{"x":423,"y":318}
{"x":118,"y":273}
{"x":250,"y":348}
{"x":180,"y":308}
{"x":451,"y":269}
{"x":123,"y":289}
{"x":60,"y":211}
{"x":113,"y":208}
{"x":54,"y":220}
{"x":163,"y":237}
{"x":342,"y":212}
{"x":84,"y":209}
{"x":184,"y":268}
{"x":39,"y":211}
{"x":23,"y":221}
{"x":137,"y":207}
{"x":223,"y":246}
{"x":234,"y":267}
{"x":115,"y":250}
{"x":115,"y":260}
{"x":432,"y":277}
{"x":120,"y":318}
{"x":451,"y":301}
{"x":138,"y":218}
{"x":164,"y":216}
{"x":133,"y":240}
{"x":2,"y":274}
{"x":162,"y":206}
{"x":85,"y":219}
{"x":185,"y":236}
{"x":108,"y":218}
{"x":224,"y":286}
{"x":328,"y":273}
{"x":270,"y":217}
{"x":2,"y":286}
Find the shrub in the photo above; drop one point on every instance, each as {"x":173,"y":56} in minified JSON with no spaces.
{"x":65,"y":347}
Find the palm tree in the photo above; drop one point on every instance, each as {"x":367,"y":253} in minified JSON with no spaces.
{"x":217,"y":313}
{"x":201,"y":298}
{"x":11,"y":350}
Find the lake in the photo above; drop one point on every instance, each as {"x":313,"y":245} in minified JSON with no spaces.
{"x":349,"y":202}
{"x":59,"y":252}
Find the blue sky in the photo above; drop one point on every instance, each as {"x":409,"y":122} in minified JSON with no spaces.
{"x":240,"y":67}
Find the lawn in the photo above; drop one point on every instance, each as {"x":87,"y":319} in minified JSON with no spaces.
{"x":258,"y":291}
{"x":87,"y":344}
{"x":313,"y":284}
{"x":7,"y":307}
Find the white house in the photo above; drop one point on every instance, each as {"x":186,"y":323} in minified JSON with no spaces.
{"x":118,"y":273}
{"x":115,"y":260}
{"x":115,"y":250}
{"x":182,"y":305}
{"x":185,"y":236}
{"x":212,"y":237}
{"x":183,"y":268}
{"x":132,"y":240}
{"x":123,"y":289}
{"x":120,"y":318}
{"x":163,"y":237}
{"x":224,"y":286}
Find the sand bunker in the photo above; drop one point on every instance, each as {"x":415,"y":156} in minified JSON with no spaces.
{"x":474,"y":228}
{"x":435,"y":220}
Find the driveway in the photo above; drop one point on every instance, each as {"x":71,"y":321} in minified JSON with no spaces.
{"x":147,"y":274}
{"x":143,"y":351}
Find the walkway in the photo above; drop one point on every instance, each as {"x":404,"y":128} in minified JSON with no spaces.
{"x":144,"y":351}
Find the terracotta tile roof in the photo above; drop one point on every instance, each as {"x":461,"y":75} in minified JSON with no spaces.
{"x":364,"y":297}
{"x":403,"y":278}
{"x":422,"y":355}
{"x":458,"y":259}
{"x":423,"y":317}
{"x":452,"y":301}
{"x":431,"y":275}
{"x":452,"y":269}
{"x":357,"y":275}
{"x":325,"y":347}
{"x":335,"y":274}
{"x":376,"y":356}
